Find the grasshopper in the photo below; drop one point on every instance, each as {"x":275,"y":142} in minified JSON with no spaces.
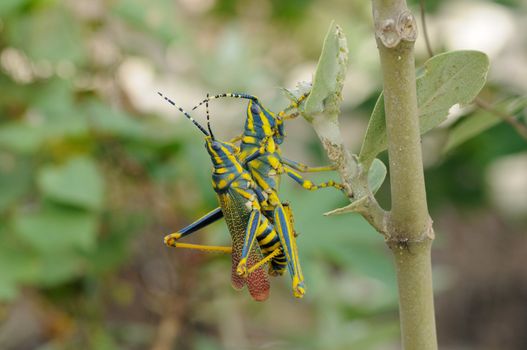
{"x":239,"y":197}
{"x":261,"y":155}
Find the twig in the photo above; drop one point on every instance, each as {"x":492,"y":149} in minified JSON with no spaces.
{"x":425,"y":31}
{"x":521,"y":128}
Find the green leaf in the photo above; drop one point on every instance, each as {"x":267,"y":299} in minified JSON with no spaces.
{"x":375,"y":138}
{"x":330,"y":74}
{"x":77,"y":182}
{"x":22,"y":137}
{"x":480,"y":121}
{"x":450,"y":78}
{"x":376,"y":175}
{"x":56,"y":229}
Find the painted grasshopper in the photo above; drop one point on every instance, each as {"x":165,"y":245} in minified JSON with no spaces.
{"x":239,"y":198}
{"x":261,"y":154}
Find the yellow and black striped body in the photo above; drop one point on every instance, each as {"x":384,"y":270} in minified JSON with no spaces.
{"x":238,"y":196}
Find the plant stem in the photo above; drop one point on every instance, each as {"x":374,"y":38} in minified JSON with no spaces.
{"x":416,"y":304}
{"x":409,"y":225}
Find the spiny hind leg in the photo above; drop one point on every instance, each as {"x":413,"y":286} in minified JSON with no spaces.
{"x":204,"y":248}
{"x":250,"y":236}
{"x":282,"y":224}
{"x":289,"y":213}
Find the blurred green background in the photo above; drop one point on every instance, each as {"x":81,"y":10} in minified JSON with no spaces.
{"x":95,"y":169}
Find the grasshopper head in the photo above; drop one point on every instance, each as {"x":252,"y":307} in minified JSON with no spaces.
{"x":222,"y":154}
{"x":261,"y":122}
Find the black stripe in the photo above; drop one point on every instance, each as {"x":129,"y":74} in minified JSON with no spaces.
{"x":268,"y":246}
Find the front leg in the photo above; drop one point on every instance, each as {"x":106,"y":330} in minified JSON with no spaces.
{"x":236,"y":139}
{"x":309,"y":185}
{"x":306,"y":168}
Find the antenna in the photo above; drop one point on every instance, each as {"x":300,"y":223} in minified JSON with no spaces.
{"x":201,"y":128}
{"x":233,"y":95}
{"x":208,"y":117}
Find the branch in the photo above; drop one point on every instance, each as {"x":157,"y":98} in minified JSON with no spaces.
{"x":425,"y":31}
{"x":409,"y":224}
{"x":520,"y":128}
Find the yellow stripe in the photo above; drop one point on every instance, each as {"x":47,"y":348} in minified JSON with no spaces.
{"x":260,"y":181}
{"x":249,"y":139}
{"x":250,"y":118}
{"x":233,"y":159}
{"x":265,"y":124}
{"x":267,"y":239}
{"x":273,"y":247}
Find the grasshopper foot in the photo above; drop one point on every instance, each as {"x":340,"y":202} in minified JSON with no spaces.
{"x":241,"y":269}
{"x":299,"y":288}
{"x":170,"y":240}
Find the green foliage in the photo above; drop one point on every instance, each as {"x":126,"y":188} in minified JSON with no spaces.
{"x":76,"y":183}
{"x":450,"y":78}
{"x":157,"y":22}
{"x":55,"y":229}
{"x":42,"y":36}
{"x":8,"y":6}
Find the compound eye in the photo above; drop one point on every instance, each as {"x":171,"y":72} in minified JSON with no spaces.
{"x":216,"y":146}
